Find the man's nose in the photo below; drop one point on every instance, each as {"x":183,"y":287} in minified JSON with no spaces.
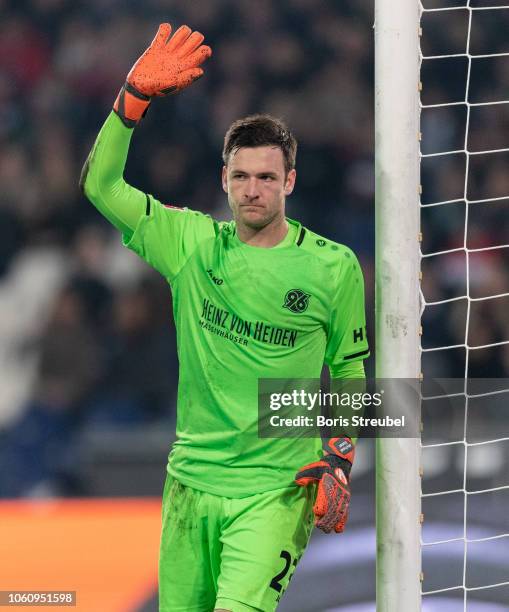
{"x":251,"y":191}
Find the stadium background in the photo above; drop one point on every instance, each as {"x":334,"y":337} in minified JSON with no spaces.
{"x":87,"y":348}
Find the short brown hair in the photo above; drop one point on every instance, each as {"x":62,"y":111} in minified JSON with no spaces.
{"x":261,"y":131}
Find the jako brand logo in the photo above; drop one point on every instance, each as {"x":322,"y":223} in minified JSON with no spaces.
{"x":215,"y":279}
{"x":296,"y":300}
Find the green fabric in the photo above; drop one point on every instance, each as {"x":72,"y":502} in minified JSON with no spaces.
{"x":350,"y":369}
{"x":103,"y":181}
{"x":241,"y":313}
{"x":233,"y":328}
{"x":219,"y":552}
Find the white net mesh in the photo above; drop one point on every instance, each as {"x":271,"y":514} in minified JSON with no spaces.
{"x":465,"y":300}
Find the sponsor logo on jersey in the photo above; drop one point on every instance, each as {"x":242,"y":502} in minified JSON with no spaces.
{"x":215,"y":279}
{"x":232,"y":327}
{"x":320,"y":242}
{"x":296,"y":300}
{"x":359,"y":334}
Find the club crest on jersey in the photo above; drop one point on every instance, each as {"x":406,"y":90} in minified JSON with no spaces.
{"x":296,"y":300}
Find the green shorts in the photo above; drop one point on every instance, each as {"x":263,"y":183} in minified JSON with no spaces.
{"x":236,"y":554}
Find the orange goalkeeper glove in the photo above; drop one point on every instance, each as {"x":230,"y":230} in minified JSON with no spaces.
{"x":170,"y":64}
{"x":332,"y":473}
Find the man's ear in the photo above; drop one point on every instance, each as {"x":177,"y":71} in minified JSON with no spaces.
{"x":224,"y":179}
{"x":290,"y":181}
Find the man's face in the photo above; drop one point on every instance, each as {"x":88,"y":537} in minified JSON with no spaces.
{"x":257,"y":185}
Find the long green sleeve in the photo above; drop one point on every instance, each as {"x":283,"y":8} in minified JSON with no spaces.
{"x":102,"y":178}
{"x":349,"y":369}
{"x":351,"y":378}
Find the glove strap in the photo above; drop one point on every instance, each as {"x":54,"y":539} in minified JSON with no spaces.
{"x":340,"y":452}
{"x":336,"y":462}
{"x":131,"y":105}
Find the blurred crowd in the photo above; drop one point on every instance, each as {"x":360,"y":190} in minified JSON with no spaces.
{"x":86,"y":332}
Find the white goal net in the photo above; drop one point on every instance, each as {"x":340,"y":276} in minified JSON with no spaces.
{"x":465,"y":303}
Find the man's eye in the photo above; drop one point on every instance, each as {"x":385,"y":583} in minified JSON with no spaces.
{"x":266,"y":177}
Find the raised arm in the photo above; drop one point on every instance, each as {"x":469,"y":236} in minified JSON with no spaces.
{"x":170,"y":64}
{"x":102,"y":178}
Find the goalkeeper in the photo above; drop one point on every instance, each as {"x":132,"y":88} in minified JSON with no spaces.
{"x":257,"y":297}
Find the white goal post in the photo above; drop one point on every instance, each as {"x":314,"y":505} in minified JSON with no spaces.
{"x":397,"y":170}
{"x":464,"y":96}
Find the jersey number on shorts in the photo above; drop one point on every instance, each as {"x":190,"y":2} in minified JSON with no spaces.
{"x":275,"y":583}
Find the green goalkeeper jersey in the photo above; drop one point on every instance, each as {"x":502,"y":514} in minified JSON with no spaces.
{"x":243,"y":313}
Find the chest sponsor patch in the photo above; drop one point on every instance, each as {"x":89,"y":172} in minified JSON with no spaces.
{"x":229,"y":325}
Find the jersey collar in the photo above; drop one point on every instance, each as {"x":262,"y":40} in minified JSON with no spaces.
{"x":294,"y":230}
